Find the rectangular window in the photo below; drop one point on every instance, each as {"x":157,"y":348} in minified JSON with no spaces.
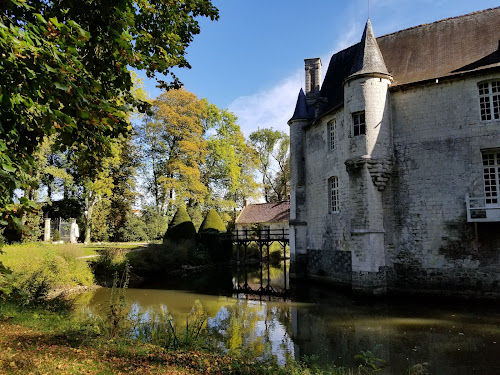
{"x":333,"y":188}
{"x":491,"y":174}
{"x":331,"y":133}
{"x":358,"y":123}
{"x":489,"y":100}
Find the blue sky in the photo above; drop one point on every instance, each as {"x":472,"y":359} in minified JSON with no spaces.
{"x":251,"y":61}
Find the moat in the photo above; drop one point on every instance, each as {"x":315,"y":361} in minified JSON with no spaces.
{"x":459,"y":337}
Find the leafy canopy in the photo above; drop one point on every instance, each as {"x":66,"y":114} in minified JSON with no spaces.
{"x":64,"y":70}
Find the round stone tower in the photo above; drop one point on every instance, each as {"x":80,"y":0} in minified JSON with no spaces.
{"x":369,"y":162}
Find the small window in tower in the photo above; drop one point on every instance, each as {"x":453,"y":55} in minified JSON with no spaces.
{"x":489,"y":100}
{"x":358,"y":123}
{"x":334,"y":194}
{"x":332,"y":129}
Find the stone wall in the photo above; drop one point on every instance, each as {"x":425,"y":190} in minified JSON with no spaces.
{"x":437,"y":138}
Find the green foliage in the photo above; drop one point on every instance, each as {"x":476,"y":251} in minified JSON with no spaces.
{"x":164,"y":259}
{"x":229,"y":168}
{"x":5,"y":281}
{"x":32,"y":230}
{"x":181,"y":227}
{"x":111,"y":260}
{"x":272,"y":148}
{"x":174,"y":147}
{"x":65,"y":73}
{"x":39,"y":269}
{"x":155,"y":223}
{"x":117,"y":312}
{"x":212,"y":236}
{"x":133,"y":230}
{"x":212,"y":222}
{"x":56,"y":236}
{"x":369,"y":362}
{"x":162,"y":330}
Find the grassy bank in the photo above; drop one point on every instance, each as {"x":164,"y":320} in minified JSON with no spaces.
{"x":39,"y":335}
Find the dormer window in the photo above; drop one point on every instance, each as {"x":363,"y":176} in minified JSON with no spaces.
{"x":358,"y":123}
{"x":489,"y":100}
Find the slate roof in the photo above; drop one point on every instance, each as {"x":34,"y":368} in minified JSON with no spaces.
{"x":302,"y":110}
{"x":426,"y":52}
{"x":265,"y":213}
{"x":368,"y":57}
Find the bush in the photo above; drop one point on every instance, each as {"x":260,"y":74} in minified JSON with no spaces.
{"x":181,"y":227}
{"x":110,"y":261}
{"x":212,"y":222}
{"x":56,"y":236}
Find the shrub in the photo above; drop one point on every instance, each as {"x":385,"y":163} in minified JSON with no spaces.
{"x":56,"y":236}
{"x":212,"y":222}
{"x":110,"y":261}
{"x":181,"y":227}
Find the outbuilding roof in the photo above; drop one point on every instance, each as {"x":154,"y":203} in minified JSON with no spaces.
{"x":265,"y":213}
{"x":426,"y":52}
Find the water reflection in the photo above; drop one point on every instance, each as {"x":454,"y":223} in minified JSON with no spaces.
{"x":453,"y":339}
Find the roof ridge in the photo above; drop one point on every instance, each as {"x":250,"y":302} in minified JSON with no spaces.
{"x":442,"y":20}
{"x":257,"y":204}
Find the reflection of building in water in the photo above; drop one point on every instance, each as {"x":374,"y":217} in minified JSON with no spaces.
{"x":450,"y":340}
{"x":395,"y":161}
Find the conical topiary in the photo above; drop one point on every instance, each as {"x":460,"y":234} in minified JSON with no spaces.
{"x":181,"y":227}
{"x":213,"y":239}
{"x":212,"y":223}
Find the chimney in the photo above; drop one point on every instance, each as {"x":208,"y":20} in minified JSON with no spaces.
{"x":245,"y":202}
{"x":313,"y":76}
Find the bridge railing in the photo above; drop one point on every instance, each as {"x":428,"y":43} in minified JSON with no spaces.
{"x":260,"y":234}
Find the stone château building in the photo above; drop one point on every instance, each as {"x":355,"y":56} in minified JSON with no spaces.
{"x":395,"y":162}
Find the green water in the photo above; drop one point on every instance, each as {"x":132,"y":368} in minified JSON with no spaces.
{"x":453,"y":338}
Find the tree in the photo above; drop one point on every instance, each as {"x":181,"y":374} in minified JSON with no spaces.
{"x":65,"y":71}
{"x":272,"y":147}
{"x":229,"y":168}
{"x":174,"y":148}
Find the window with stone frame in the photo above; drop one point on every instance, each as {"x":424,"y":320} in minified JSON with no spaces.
{"x":358,"y":123}
{"x":489,"y":100}
{"x":491,"y":174}
{"x":332,"y":130}
{"x":334,"y":194}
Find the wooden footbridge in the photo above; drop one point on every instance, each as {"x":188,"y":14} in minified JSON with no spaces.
{"x":262,"y":239}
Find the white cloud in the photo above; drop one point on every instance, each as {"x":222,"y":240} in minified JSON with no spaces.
{"x":274,"y":107}
{"x":269,"y":108}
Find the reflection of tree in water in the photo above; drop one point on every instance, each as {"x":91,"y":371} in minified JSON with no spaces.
{"x":250,"y":329}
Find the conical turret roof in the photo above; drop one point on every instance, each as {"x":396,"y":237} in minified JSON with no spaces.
{"x":368,"y":58}
{"x":302,"y":109}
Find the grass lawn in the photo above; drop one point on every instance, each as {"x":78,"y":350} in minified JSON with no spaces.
{"x":21,"y":250}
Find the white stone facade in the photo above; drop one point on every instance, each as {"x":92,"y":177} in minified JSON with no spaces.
{"x":402,"y":222}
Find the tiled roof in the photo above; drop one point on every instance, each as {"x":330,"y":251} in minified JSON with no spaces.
{"x":451,"y":46}
{"x":265,"y":213}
